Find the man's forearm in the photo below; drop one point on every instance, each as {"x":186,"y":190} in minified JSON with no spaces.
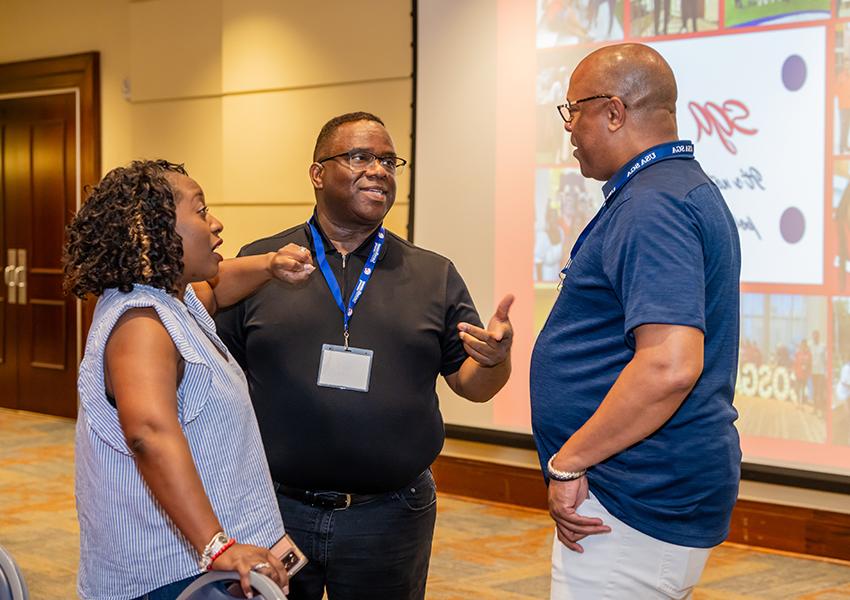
{"x":478,"y":383}
{"x":642,"y":399}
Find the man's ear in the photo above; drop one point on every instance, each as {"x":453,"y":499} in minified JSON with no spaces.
{"x":616,"y":114}
{"x":317,"y":172}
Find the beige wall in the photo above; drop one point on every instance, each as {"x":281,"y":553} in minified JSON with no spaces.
{"x":41,"y":28}
{"x":236,"y":89}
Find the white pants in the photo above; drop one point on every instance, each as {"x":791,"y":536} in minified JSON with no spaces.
{"x":624,"y":564}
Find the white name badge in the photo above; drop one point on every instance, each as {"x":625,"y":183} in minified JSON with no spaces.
{"x":345,"y":369}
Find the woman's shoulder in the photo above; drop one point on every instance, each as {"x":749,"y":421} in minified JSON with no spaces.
{"x":145,"y":306}
{"x":140,"y":339}
{"x":139,"y":320}
{"x":114,"y":302}
{"x":138,"y":292}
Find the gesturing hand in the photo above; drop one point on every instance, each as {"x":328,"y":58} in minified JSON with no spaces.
{"x":292,"y":264}
{"x":492,"y":346}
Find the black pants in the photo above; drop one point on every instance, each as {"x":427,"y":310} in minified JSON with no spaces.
{"x":378,"y":550}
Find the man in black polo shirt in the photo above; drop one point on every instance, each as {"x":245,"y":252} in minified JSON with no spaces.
{"x":343,"y":370}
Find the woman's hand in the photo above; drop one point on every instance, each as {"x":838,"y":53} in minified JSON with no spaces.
{"x":291,"y":264}
{"x":244,"y":558}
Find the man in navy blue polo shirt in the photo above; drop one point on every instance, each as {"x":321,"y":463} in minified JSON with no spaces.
{"x":633,"y":374}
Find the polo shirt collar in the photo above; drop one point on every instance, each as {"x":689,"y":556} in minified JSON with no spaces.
{"x":620,"y":175}
{"x":362,"y":250}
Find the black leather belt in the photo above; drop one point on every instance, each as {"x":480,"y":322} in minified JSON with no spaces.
{"x":326,"y":500}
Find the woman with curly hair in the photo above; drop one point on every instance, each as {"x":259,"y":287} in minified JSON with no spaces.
{"x":171,"y":477}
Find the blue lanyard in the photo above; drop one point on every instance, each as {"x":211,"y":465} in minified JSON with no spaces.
{"x":679,"y":149}
{"x":330,"y":278}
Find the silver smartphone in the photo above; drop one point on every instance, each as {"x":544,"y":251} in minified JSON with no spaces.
{"x":289,"y":554}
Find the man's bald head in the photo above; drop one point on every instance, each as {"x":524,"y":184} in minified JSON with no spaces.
{"x":636,"y":73}
{"x":623,"y":100}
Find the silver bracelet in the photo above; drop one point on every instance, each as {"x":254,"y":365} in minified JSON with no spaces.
{"x":562,"y":475}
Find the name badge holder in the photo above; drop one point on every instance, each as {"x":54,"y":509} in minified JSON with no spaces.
{"x":344,"y":367}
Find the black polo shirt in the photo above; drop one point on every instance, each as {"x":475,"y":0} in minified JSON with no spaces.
{"x":320,"y":438}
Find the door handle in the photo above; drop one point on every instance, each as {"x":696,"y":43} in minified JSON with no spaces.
{"x":21,"y":276}
{"x":9,"y":277}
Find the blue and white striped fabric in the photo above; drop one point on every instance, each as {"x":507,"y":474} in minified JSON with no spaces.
{"x":128,"y":545}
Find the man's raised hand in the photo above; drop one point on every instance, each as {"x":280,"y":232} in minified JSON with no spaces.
{"x":492,"y":346}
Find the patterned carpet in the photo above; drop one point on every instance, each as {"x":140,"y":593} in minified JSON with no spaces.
{"x":38,"y":521}
{"x":481,"y":551}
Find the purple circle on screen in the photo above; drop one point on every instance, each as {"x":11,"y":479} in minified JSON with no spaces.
{"x":794,"y":72}
{"x":792,"y":225}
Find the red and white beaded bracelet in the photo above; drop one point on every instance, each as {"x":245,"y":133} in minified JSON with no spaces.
{"x":216,"y":547}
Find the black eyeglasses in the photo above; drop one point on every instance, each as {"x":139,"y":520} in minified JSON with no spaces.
{"x":566,"y":110}
{"x":360,"y":160}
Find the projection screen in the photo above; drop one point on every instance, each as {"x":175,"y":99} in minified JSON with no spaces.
{"x":764,"y":92}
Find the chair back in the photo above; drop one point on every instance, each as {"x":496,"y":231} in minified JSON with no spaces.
{"x":12,"y":585}
{"x":213,"y":586}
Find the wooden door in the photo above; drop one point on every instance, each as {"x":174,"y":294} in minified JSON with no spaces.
{"x":37,"y":198}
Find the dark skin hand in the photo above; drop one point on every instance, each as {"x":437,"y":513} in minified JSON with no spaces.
{"x":667,"y":362}
{"x":238,"y":277}
{"x":488,"y":367}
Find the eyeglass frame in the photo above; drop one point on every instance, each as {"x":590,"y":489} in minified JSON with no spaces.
{"x":571,"y":105}
{"x":397,"y":168}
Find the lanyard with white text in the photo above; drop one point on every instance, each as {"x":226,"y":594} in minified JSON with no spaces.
{"x":330,"y":278}
{"x":679,"y":149}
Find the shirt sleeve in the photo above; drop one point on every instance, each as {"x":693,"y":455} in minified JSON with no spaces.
{"x":459,"y":309}
{"x":100,"y":415}
{"x":653,"y":257}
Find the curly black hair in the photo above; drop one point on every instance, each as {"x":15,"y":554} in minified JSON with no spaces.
{"x":125,"y":233}
{"x":329,"y":128}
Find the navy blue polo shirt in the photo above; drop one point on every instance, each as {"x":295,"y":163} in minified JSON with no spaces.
{"x":664,"y":250}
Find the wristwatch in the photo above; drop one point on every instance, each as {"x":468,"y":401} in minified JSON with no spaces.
{"x":562,"y":475}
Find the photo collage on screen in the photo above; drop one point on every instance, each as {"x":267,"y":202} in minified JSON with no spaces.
{"x":764,"y":92}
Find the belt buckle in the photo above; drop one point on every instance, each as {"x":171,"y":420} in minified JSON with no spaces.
{"x":347,"y":502}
